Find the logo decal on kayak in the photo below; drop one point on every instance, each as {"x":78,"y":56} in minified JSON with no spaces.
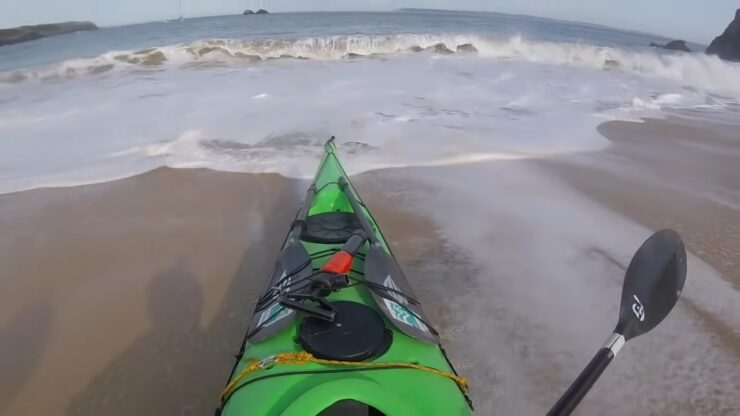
{"x":400,"y":313}
{"x":397,"y":310}
{"x":389,"y":283}
{"x":638,"y":309}
{"x":276,"y":312}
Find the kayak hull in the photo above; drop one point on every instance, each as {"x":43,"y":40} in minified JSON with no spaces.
{"x":411,"y":376}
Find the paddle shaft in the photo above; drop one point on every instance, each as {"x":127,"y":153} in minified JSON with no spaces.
{"x":583,"y":383}
{"x":359,"y":211}
{"x":300,"y":219}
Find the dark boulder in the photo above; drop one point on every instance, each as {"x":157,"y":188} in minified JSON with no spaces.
{"x":415,"y":48}
{"x":727,"y":45}
{"x":467,"y":48}
{"x":27,"y":33}
{"x":610,"y":64}
{"x":674,"y":45}
{"x":439,"y":48}
{"x":262,"y":11}
{"x":248,"y":12}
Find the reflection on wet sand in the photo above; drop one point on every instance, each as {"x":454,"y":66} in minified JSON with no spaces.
{"x":22,"y":343}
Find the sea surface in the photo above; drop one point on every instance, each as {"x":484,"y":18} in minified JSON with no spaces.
{"x":261,"y":93}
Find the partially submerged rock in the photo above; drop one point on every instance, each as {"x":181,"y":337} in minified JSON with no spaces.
{"x":262,"y":11}
{"x":674,"y":45}
{"x":439,"y":48}
{"x":467,"y":48}
{"x":610,"y":64}
{"x":247,"y":12}
{"x":727,"y":45}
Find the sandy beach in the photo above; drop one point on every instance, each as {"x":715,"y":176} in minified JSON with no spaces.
{"x":689,"y":170}
{"x":131,"y":297}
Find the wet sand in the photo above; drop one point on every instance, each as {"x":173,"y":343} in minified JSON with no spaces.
{"x":131,"y":297}
{"x":673,"y":173}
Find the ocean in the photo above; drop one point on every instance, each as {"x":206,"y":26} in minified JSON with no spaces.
{"x":261,"y":93}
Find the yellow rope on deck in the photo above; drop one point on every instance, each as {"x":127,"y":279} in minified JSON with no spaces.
{"x":298,"y":358}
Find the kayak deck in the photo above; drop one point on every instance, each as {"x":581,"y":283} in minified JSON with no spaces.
{"x":405,"y":373}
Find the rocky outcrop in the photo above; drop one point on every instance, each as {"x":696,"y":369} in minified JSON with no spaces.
{"x":248,"y":12}
{"x":262,"y":11}
{"x":466,"y":48}
{"x":674,"y":45}
{"x":439,"y":48}
{"x":28,"y":33}
{"x":727,"y":45}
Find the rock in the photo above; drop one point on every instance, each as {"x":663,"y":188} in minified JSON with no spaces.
{"x":439,"y":48}
{"x":248,"y":12}
{"x":262,"y":11}
{"x":415,"y":48}
{"x":674,"y":45}
{"x":28,"y":33}
{"x":727,"y":45}
{"x":610,"y":64}
{"x":467,"y":48}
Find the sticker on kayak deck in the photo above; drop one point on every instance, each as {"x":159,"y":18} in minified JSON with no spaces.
{"x":389,"y":283}
{"x":272,"y":315}
{"x":276,"y":312}
{"x":400,"y":313}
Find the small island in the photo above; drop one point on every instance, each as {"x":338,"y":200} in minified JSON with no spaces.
{"x":33,"y":32}
{"x":249,"y":12}
{"x":674,"y":45}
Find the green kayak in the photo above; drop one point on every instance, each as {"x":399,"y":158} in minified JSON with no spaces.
{"x":338,"y":330}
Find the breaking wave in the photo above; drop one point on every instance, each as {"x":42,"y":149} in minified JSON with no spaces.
{"x":696,"y":70}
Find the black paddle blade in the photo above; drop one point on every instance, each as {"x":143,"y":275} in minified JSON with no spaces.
{"x":652,"y":284}
{"x":292,"y":271}
{"x":393,"y":295}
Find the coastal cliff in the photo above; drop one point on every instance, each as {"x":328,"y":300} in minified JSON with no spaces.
{"x":727,"y":45}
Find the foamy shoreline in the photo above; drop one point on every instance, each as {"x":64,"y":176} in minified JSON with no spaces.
{"x":695,"y":70}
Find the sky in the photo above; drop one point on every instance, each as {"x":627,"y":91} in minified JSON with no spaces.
{"x":692,"y":20}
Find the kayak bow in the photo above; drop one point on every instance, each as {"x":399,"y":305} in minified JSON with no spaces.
{"x":338,"y":331}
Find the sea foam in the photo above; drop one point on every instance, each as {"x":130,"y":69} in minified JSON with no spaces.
{"x":695,"y":70}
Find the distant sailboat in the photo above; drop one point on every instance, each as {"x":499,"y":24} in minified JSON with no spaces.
{"x":179,"y":13}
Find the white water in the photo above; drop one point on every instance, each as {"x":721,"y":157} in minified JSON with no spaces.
{"x":514,"y":99}
{"x":696,"y":70}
